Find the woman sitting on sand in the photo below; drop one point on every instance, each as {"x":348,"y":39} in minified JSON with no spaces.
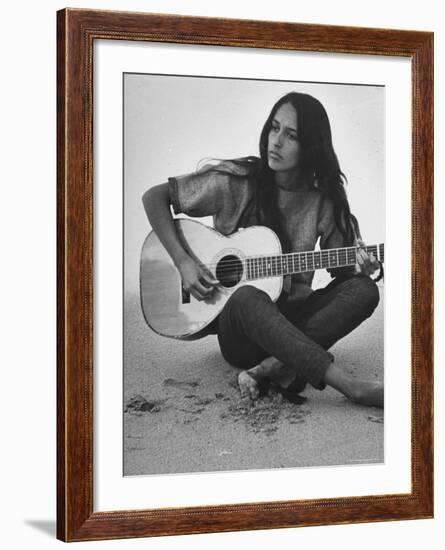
{"x":296,"y":188}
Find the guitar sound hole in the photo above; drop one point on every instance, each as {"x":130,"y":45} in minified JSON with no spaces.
{"x":229,"y":271}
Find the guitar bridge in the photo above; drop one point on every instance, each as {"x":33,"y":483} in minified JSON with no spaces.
{"x":185,"y":295}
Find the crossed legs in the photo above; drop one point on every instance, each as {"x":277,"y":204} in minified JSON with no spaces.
{"x":290,"y":347}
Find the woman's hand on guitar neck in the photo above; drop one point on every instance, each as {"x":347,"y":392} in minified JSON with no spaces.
{"x":195,"y":279}
{"x":367,"y":263}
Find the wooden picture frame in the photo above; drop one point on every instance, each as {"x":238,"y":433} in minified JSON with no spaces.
{"x":77,"y":31}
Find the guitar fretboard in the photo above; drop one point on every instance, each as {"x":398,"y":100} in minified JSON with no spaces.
{"x":259,"y":267}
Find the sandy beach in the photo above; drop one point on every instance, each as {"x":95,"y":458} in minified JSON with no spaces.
{"x":183,"y":411}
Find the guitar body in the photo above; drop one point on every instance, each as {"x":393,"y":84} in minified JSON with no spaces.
{"x":170,"y":311}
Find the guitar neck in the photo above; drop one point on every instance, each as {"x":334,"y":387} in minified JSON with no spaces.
{"x":260,"y":267}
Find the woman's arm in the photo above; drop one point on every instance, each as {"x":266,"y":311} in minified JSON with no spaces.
{"x":331,"y":237}
{"x":195,"y":279}
{"x":156,"y":203}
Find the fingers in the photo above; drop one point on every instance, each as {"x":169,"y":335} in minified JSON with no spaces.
{"x":209,"y":279}
{"x":203,"y":287}
{"x":364,"y":262}
{"x":360,"y":261}
{"x":374,"y":263}
{"x":196,"y":279}
{"x":199,"y":291}
{"x":367,"y":263}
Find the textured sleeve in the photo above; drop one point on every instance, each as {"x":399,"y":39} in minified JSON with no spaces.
{"x":222,"y":191}
{"x":331,"y":237}
{"x":198,"y":194}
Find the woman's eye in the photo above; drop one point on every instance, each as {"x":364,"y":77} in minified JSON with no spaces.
{"x":275,"y":129}
{"x":292,"y":137}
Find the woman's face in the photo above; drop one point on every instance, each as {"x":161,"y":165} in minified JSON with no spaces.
{"x":283,"y":149}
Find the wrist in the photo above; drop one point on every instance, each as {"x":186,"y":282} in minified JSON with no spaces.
{"x":180,"y":259}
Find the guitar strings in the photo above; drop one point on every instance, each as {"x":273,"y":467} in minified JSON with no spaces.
{"x":259,"y":270}
{"x":238,"y":264}
{"x":265,"y":271}
{"x":279,"y":263}
{"x":279,"y":259}
{"x":372,"y":249}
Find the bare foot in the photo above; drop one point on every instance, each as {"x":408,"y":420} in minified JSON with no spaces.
{"x":274,"y":370}
{"x":362,"y":392}
{"x":248,"y":386}
{"x":370,"y":394}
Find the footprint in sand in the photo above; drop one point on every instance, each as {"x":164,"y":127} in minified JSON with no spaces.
{"x":376,"y":419}
{"x":180,"y":384}
{"x":196,"y":406}
{"x":140,"y":404}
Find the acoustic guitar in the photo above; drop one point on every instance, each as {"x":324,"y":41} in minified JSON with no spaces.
{"x":251,"y":256}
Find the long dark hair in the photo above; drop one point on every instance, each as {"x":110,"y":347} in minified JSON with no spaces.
{"x":320,"y":168}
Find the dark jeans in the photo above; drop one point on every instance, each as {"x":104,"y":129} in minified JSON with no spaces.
{"x":252,"y":327}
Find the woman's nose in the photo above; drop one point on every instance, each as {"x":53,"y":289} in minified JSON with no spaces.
{"x":278,"y":140}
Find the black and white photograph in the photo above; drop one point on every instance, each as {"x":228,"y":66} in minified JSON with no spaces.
{"x":222,"y":234}
{"x":254,"y":231}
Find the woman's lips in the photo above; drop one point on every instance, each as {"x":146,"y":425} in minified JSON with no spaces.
{"x":275,"y":155}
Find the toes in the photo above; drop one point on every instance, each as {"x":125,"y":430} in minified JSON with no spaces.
{"x":248,"y":386}
{"x":243,"y":385}
{"x":254,"y":392}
